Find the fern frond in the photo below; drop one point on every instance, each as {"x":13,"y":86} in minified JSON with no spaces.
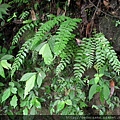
{"x":66,"y":57}
{"x":20,"y":56}
{"x":24,"y":15}
{"x":34,"y":41}
{"x":64,"y":34}
{"x":22,"y":30}
{"x":20,"y":1}
{"x":46,"y":28}
{"x":85,"y":57}
{"x":108,"y":53}
{"x":100,"y":56}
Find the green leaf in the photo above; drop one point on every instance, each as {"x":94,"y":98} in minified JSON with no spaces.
{"x":40,"y":46}
{"x":1,"y":84}
{"x":46,"y":54}
{"x":20,"y":92}
{"x":23,"y":103}
{"x":0,"y":1}
{"x":33,"y":111}
{"x":29,"y":84}
{"x":92,"y":91}
{"x":60,"y":106}
{"x":11,"y":84}
{"x":40,"y":78}
{"x":106,"y":91}
{"x":68,"y":102}
{"x":72,"y":94}
{"x":37,"y":104}
{"x":6,"y":95}
{"x":25,"y":111}
{"x":14,"y":100}
{"x":14,"y":90}
{"x":3,"y":9}
{"x":27,"y":76}
{"x":82,"y":105}
{"x":5,"y":64}
{"x":2,"y":71}
{"x":6,"y":57}
{"x":96,"y":79}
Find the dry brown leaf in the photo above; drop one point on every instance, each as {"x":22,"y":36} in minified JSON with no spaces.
{"x":112,"y":85}
{"x":106,"y":3}
{"x":58,"y":11}
{"x":78,"y":41}
{"x":33,"y":15}
{"x":88,"y":29}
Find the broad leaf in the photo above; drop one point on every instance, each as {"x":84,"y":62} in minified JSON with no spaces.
{"x":2,"y":71}
{"x":29,"y":85}
{"x":1,"y":84}
{"x":11,"y":84}
{"x":6,"y":95}
{"x":33,"y":111}
{"x":40,"y":78}
{"x":5,"y":64}
{"x":27,"y":76}
{"x":25,"y":111}
{"x":68,"y":102}
{"x":60,"y":106}
{"x":14,"y":90}
{"x":6,"y":57}
{"x":46,"y":54}
{"x":92,"y":91}
{"x":72,"y":94}
{"x":106,"y":91}
{"x":20,"y":92}
{"x":13,"y":101}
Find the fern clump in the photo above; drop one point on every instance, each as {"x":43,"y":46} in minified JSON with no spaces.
{"x":33,"y":42}
{"x":95,"y":51}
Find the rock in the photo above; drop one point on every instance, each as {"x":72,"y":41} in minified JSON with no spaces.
{"x":111,"y":32}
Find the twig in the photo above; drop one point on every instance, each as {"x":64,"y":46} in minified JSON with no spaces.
{"x":118,"y":17}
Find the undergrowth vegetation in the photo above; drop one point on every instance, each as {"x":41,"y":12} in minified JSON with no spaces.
{"x":48,"y":70}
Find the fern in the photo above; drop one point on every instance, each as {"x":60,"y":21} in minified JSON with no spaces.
{"x":84,"y":57}
{"x":64,"y":34}
{"x":66,"y":57}
{"x":35,"y":41}
{"x":95,"y":51}
{"x":24,"y":15}
{"x":20,"y":56}
{"x":22,"y":30}
{"x":109,"y":54}
{"x":21,"y":1}
{"x":3,"y":9}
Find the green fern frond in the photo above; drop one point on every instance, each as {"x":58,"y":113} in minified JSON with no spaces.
{"x":21,"y":1}
{"x":22,"y":30}
{"x":24,"y":15}
{"x":85,"y":57}
{"x":95,"y":51}
{"x":66,"y":57}
{"x":34,"y":41}
{"x":108,"y":53}
{"x":46,"y":28}
{"x":64,"y":34}
{"x":20,"y":56}
{"x":100,"y":52}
